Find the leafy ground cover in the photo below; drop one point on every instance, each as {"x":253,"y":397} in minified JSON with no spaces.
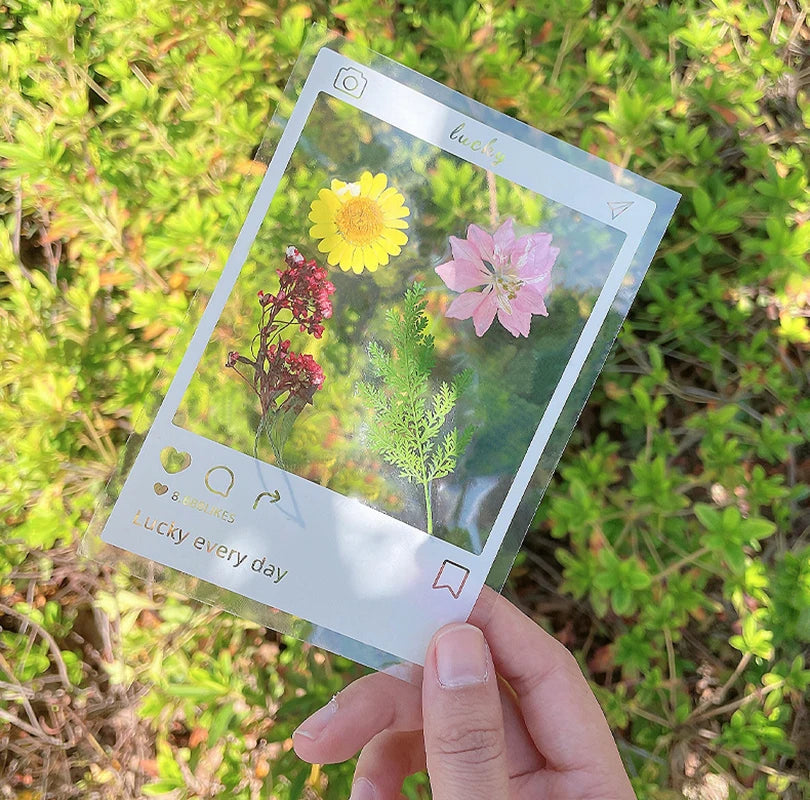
{"x":672,"y":551}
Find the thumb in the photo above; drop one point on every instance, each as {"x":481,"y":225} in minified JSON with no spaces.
{"x":463,"y":719}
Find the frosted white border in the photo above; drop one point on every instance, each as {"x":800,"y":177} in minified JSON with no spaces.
{"x":373,"y":578}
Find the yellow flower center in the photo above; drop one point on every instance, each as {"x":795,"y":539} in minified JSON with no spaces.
{"x":360,"y":220}
{"x":510,"y":285}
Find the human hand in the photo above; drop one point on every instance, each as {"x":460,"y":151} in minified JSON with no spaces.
{"x":503,"y":712}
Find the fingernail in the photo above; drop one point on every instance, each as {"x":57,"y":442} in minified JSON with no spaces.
{"x":363,"y":789}
{"x":461,"y":657}
{"x":314,"y":726}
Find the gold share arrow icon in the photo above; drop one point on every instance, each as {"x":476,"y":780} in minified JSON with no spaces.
{"x":618,"y":207}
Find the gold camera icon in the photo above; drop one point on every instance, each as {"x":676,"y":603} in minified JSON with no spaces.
{"x":351,"y":81}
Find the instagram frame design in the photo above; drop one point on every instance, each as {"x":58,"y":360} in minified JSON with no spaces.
{"x":270,"y":544}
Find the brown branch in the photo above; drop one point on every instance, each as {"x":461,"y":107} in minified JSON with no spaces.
{"x":52,"y":645}
{"x":758,"y":694}
{"x":37,"y":732}
{"x":17,"y":688}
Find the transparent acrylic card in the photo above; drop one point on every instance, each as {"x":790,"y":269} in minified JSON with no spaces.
{"x":365,"y":410}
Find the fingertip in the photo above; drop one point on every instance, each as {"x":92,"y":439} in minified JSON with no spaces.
{"x":315,"y":724}
{"x":460,"y":656}
{"x":356,"y":715}
{"x":305,"y":737}
{"x":363,"y":789}
{"x":464,"y":724}
{"x":384,"y":764}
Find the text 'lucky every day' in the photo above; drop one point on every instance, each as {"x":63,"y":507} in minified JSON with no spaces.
{"x":230,"y":555}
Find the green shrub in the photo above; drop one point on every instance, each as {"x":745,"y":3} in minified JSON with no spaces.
{"x":679,"y":569}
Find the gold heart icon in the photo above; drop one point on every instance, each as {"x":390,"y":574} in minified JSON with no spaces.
{"x":174,"y":461}
{"x":161,"y":488}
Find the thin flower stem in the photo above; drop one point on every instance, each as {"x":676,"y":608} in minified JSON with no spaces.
{"x":493,"y":199}
{"x":766,"y":770}
{"x":640,"y":712}
{"x":429,"y":510}
{"x":758,"y":694}
{"x":282,"y":325}
{"x":245,"y":379}
{"x":682,"y":563}
{"x":561,"y":53}
{"x":673,"y":674}
{"x":730,"y":682}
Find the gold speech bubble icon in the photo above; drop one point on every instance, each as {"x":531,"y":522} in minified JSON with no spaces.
{"x":222,"y":477}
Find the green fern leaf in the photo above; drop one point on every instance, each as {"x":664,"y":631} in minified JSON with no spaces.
{"x":406,"y":423}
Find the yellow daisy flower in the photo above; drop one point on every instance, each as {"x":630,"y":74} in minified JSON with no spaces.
{"x":360,"y":225}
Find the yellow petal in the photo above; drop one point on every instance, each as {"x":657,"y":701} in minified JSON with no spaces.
{"x":365,"y":183}
{"x":320,"y":211}
{"x":394,"y":236}
{"x":396,"y":213}
{"x":322,"y":229}
{"x":321,"y":218}
{"x":331,"y":241}
{"x":357,"y":260}
{"x":395,"y":223}
{"x":381,"y":253}
{"x":388,"y":193}
{"x":378,"y":184}
{"x":391,"y":248}
{"x":370,"y":259}
{"x":392,"y":201}
{"x":336,"y":185}
{"x":340,"y":252}
{"x":329,"y":199}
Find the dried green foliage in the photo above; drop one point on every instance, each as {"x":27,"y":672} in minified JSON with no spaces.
{"x":406,"y":426}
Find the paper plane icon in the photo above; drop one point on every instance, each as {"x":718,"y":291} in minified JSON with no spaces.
{"x":618,"y":207}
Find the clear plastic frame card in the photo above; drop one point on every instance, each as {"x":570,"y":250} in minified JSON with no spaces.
{"x":367,"y":407}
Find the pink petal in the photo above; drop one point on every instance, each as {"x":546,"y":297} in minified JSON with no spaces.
{"x":464,"y":305}
{"x":484,"y":313}
{"x":464,"y":250}
{"x":533,"y":255}
{"x":517,"y":323}
{"x":462,"y":275}
{"x":530,"y":300}
{"x":504,"y":239}
{"x":542,"y":284}
{"x":482,"y":241}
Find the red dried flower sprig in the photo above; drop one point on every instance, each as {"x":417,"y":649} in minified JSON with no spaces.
{"x":304,"y":291}
{"x":285,"y":381}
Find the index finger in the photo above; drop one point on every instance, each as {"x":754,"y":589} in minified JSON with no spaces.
{"x":561,"y":712}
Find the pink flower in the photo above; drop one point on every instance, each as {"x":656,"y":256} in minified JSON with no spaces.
{"x":499,"y":275}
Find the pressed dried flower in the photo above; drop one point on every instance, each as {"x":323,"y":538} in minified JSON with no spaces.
{"x":499,"y":274}
{"x":360,"y":225}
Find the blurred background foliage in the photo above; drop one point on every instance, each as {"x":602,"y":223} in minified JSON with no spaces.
{"x":672,"y":551}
